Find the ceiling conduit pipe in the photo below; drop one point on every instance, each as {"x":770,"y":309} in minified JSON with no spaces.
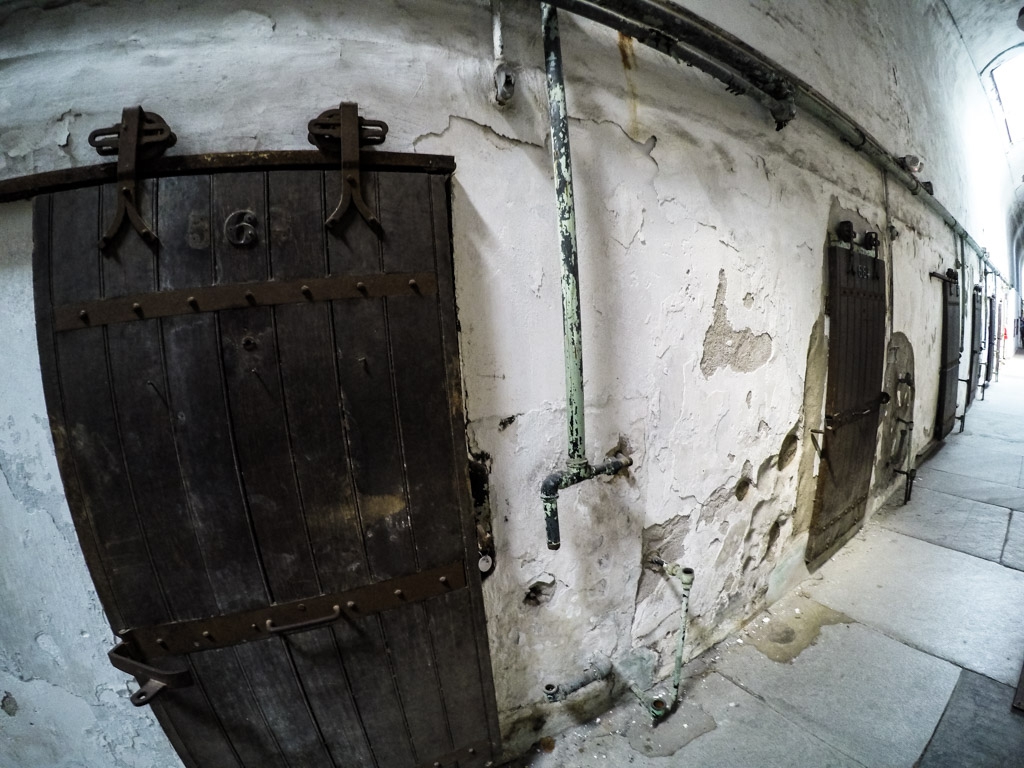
{"x":781,"y":107}
{"x":578,"y":467}
{"x":680,"y":33}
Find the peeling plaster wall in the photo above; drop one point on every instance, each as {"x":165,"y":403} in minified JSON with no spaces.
{"x":702,"y":239}
{"x":61,"y":703}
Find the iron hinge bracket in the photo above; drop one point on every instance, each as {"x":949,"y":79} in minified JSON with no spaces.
{"x":139,"y":137}
{"x":342,"y":131}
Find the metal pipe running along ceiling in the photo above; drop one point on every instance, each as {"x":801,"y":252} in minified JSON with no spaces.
{"x":686,"y":37}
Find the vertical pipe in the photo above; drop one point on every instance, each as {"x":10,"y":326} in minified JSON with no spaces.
{"x":685,"y":577}
{"x":497,"y":36}
{"x":561,"y":160}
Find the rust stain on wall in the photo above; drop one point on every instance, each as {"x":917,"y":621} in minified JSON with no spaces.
{"x":628,"y":55}
{"x":626,"y":51}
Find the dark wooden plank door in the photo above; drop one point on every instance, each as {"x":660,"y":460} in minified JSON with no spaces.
{"x":949,"y":363}
{"x":975,"y":362}
{"x":250,"y":417}
{"x":990,"y":360}
{"x":857,"y":309}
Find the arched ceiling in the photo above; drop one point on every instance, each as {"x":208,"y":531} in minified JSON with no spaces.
{"x":990,"y":33}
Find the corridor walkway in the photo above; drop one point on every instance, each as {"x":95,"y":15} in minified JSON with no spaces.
{"x":904,"y":650}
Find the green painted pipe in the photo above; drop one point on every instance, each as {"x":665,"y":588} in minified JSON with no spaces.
{"x":685,"y":578}
{"x":562,"y":162}
{"x":578,"y":469}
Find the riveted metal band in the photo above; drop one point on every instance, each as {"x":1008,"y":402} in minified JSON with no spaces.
{"x":185,"y":637}
{"x":193,"y":301}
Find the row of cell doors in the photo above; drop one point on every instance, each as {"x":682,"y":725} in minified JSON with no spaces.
{"x":854,"y":398}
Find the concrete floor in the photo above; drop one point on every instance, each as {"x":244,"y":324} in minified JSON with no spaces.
{"x":904,"y":650}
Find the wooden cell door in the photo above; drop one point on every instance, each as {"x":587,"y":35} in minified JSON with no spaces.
{"x":975,"y":362}
{"x":856,"y":346}
{"x":260,"y":431}
{"x":990,"y":360}
{"x":949,"y":363}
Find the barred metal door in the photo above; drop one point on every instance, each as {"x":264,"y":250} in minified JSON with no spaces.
{"x":857,"y":310}
{"x":260,"y":431}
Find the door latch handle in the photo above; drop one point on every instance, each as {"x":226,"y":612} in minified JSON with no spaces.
{"x":332,"y":616}
{"x":152,"y":679}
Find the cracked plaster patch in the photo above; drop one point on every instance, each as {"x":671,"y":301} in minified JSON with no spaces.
{"x":726,"y":347}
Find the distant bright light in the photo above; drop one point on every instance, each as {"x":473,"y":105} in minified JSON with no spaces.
{"x":1009,"y":78}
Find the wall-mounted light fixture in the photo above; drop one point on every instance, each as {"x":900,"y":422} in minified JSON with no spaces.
{"x":911,"y":163}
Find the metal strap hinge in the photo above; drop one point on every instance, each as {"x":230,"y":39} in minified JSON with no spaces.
{"x":140,"y":136}
{"x":139,"y":646}
{"x":342,"y":131}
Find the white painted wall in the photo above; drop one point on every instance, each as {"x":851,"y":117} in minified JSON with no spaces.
{"x":702,"y":235}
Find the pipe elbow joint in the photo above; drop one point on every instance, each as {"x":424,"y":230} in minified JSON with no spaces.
{"x":550,"y":486}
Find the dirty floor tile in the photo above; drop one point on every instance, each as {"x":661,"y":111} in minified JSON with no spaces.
{"x":957,"y":607}
{"x":718,"y":725}
{"x":979,"y":728}
{"x":869,"y":696}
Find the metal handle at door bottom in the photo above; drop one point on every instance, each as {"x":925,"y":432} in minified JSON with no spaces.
{"x":332,"y":616}
{"x":153,"y":679}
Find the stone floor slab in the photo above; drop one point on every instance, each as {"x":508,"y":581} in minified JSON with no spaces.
{"x":1013,"y":551}
{"x":979,"y":728}
{"x":957,"y":607}
{"x":979,"y":460}
{"x":995,"y":424}
{"x":867,"y":695}
{"x":949,"y":521}
{"x":736,"y":731}
{"x":985,"y":491}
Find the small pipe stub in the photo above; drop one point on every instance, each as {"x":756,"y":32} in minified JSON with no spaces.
{"x":598,"y":668}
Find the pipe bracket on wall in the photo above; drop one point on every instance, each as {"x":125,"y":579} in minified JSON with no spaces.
{"x":504,"y":74}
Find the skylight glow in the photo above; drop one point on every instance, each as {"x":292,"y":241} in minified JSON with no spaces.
{"x":1009,"y":79}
